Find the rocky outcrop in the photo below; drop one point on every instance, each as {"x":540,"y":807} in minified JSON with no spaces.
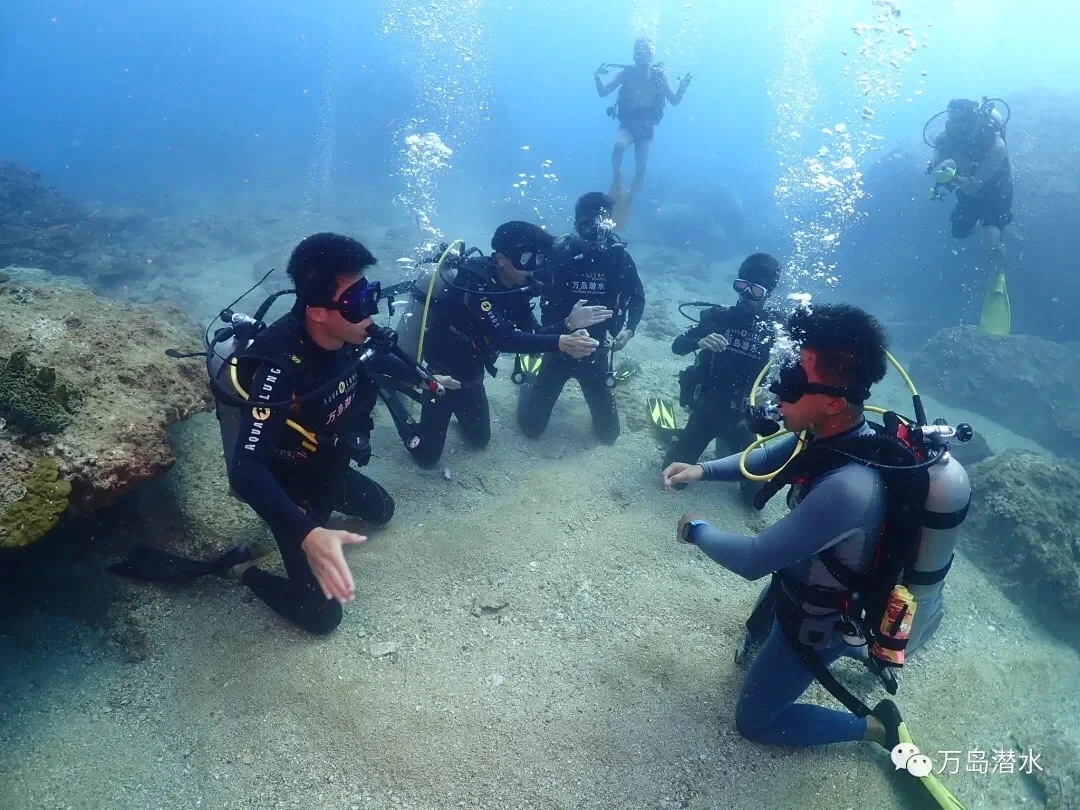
{"x":1023,"y":530}
{"x":86,"y":393}
{"x":1028,"y":384}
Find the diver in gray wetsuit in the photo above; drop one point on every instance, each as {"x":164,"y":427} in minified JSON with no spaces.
{"x":835,"y":524}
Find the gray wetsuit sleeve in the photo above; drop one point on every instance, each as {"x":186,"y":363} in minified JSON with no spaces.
{"x":842,"y":504}
{"x":763,"y":460}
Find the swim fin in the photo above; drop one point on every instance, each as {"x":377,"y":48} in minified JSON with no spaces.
{"x":530,"y":364}
{"x":152,"y":565}
{"x":896,"y":731}
{"x":626,"y":370}
{"x":996,"y":312}
{"x":661,"y":413}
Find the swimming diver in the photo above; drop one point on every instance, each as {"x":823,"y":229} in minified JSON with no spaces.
{"x":292,"y":464}
{"x":485,"y":312}
{"x":973,"y":156}
{"x":644,"y":89}
{"x":829,"y":550}
{"x":732,"y":344}
{"x":596,"y":266}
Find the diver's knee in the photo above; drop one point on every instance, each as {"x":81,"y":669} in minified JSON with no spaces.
{"x":323,"y":621}
{"x":749,"y":721}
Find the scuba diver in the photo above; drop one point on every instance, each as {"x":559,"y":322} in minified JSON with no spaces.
{"x":311,"y":385}
{"x":971,"y":158}
{"x":732,"y":344}
{"x":644,"y":89}
{"x":482,"y":311}
{"x":873,"y":509}
{"x":595,"y":266}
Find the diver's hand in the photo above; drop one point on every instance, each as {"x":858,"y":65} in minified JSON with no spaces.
{"x":713,"y":343}
{"x":323,"y":550}
{"x":600,"y":71}
{"x":447,"y":382}
{"x":681,"y":473}
{"x":961,"y":181}
{"x":582,"y":317}
{"x":578,"y":344}
{"x":622,"y":339}
{"x":684,"y":82}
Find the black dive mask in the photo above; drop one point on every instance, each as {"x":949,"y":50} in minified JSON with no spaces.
{"x":793,"y":384}
{"x":528,"y":261}
{"x":358,"y":301}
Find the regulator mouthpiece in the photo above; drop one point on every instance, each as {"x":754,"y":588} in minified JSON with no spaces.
{"x":764,"y":419}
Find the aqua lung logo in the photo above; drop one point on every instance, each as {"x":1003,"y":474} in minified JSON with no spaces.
{"x":258,"y":414}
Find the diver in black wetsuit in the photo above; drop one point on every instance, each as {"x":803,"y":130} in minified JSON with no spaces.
{"x":594,"y":266}
{"x":292,"y":465}
{"x":732,"y":345}
{"x":484,"y":313}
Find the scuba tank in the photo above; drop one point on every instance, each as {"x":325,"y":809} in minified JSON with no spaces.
{"x":946,"y":507}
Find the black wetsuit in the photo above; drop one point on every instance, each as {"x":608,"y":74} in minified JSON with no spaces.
{"x":291,"y":485}
{"x":467,"y":333}
{"x":601,"y":273}
{"x":989,"y":200}
{"x":715,"y":388}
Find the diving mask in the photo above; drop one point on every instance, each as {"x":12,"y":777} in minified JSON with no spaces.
{"x":749,"y":289}
{"x":793,"y":384}
{"x":357,"y":301}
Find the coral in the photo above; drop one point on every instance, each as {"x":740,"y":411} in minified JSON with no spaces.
{"x":32,"y":398}
{"x":28,"y":519}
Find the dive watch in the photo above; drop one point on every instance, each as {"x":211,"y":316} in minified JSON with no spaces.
{"x":687,"y":533}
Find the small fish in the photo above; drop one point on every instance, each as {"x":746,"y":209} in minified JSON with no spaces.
{"x":405,"y":260}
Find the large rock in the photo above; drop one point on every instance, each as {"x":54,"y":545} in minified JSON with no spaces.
{"x":1028,"y":384}
{"x":904,"y":255}
{"x":86,"y":391}
{"x":1023,"y":530}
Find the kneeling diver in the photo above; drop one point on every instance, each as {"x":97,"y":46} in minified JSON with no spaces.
{"x":460,"y":325}
{"x":872,"y":510}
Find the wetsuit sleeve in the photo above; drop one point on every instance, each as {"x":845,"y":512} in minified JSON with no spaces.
{"x":636,"y":303}
{"x":989,"y":168}
{"x":688,"y":340}
{"x":762,"y":461}
{"x":501,"y":332}
{"x":256,"y":445}
{"x":835,"y":509}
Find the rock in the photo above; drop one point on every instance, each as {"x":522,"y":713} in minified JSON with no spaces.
{"x":1023,"y":530}
{"x":971,"y":452}
{"x":112,"y":436}
{"x":383,"y":648}
{"x":488,"y":603}
{"x":1025,"y":383}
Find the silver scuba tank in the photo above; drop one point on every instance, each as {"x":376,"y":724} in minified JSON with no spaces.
{"x":945,"y":509}
{"x":228,"y":415}
{"x":410,"y":324}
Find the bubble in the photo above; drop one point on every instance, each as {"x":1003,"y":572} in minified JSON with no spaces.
{"x":901,"y":753}
{"x":920,"y":766}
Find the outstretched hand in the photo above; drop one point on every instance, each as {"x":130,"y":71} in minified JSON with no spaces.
{"x":322,"y":547}
{"x":582,"y":316}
